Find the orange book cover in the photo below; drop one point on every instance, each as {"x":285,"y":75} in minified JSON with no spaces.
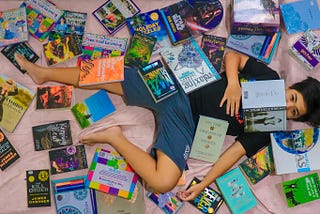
{"x":102,"y":70}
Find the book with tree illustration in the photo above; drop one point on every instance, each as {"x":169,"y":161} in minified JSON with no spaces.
{"x":8,"y":154}
{"x":54,"y":97}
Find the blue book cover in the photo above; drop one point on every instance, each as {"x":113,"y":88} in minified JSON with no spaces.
{"x":236,"y":191}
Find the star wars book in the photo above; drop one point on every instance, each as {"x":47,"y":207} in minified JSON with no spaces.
{"x":8,"y":154}
{"x":54,"y":97}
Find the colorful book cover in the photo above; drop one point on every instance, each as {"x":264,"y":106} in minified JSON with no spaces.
{"x":236,"y":191}
{"x":301,"y":190}
{"x":8,"y":154}
{"x":213,"y":47}
{"x":110,"y":173}
{"x":42,"y":15}
{"x":139,"y":51}
{"x":190,"y":65}
{"x":306,"y":50}
{"x":300,"y":16}
{"x":38,"y":188}
{"x":72,"y":196}
{"x":112,"y":14}
{"x":13,"y":26}
{"x":93,"y":108}
{"x":158,"y":80}
{"x":22,"y":48}
{"x":52,"y":135}
{"x":150,"y":23}
{"x":300,"y":149}
{"x":68,"y":159}
{"x":208,"y":139}
{"x":60,"y":50}
{"x":258,"y":166}
{"x":208,"y":201}
{"x":54,"y":97}
{"x":14,"y":102}
{"x":101,"y":70}
{"x":264,"y":105}
{"x":167,"y":202}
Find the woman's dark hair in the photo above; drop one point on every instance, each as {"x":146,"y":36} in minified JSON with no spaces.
{"x":310,"y":90}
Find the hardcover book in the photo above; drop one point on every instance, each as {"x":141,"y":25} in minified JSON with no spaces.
{"x":301,"y":190}
{"x":110,"y":173}
{"x":38,"y":188}
{"x":300,"y":16}
{"x":14,"y":102}
{"x":158,"y":80}
{"x":72,"y":196}
{"x":68,"y":159}
{"x":255,"y":17}
{"x":54,"y":97}
{"x":208,"y":201}
{"x":22,"y":48}
{"x":13,"y":26}
{"x":60,"y":50}
{"x":208,"y":139}
{"x":213,"y":47}
{"x":93,"y":108}
{"x":8,"y":154}
{"x":167,"y":202}
{"x":112,"y":14}
{"x":306,"y":50}
{"x":52,"y":135}
{"x":258,"y":166}
{"x":42,"y":15}
{"x":190,"y":65}
{"x":264,"y":105}
{"x":139,"y":51}
{"x":236,"y":191}
{"x":300,"y":149}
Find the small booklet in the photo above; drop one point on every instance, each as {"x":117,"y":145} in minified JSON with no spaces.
{"x":54,"y":97}
{"x":8,"y":154}
{"x":168,"y":201}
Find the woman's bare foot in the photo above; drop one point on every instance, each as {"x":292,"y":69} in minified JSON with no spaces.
{"x":108,"y":135}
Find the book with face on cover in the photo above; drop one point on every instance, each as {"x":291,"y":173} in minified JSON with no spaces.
{"x":54,"y":97}
{"x":8,"y":154}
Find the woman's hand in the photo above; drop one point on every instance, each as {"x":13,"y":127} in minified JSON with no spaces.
{"x":191,"y":193}
{"x":232,"y":96}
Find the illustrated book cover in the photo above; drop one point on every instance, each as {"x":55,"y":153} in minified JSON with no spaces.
{"x":54,"y":97}
{"x":112,"y":14}
{"x":167,"y":202}
{"x":14,"y":102}
{"x":158,"y":80}
{"x":208,"y":139}
{"x":93,"y":108}
{"x":52,"y":135}
{"x":101,"y":70}
{"x":258,"y":166}
{"x":8,"y":154}
{"x":213,"y":47}
{"x":110,"y":173}
{"x":300,"y":16}
{"x":38,"y":188}
{"x":42,"y":15}
{"x":72,"y":196}
{"x":68,"y":159}
{"x":13,"y":26}
{"x":306,"y":50}
{"x":62,"y":49}
{"x":236,"y":191}
{"x":300,"y":149}
{"x":22,"y":48}
{"x":190,"y":65}
{"x":264,"y":105}
{"x":301,"y":190}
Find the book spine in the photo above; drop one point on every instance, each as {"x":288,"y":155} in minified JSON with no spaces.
{"x":168,"y":26}
{"x":276,"y":108}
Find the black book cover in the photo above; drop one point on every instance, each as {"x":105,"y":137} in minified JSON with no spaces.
{"x":8,"y":153}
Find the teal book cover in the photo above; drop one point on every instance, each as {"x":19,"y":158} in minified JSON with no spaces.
{"x":236,"y":191}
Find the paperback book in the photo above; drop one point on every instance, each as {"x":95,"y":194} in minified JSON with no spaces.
{"x":13,"y":26}
{"x":264,"y":105}
{"x":110,"y":173}
{"x":52,"y":135}
{"x":54,"y":97}
{"x":22,"y":48}
{"x":68,"y":159}
{"x":167,"y":202}
{"x":158,"y":80}
{"x":112,"y":14}
{"x":8,"y":154}
{"x":190,"y":65}
{"x":93,"y":108}
{"x":14,"y":102}
{"x":38,"y":188}
{"x":300,"y":149}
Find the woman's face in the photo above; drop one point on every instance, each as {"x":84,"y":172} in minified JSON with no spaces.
{"x":296,"y":106}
